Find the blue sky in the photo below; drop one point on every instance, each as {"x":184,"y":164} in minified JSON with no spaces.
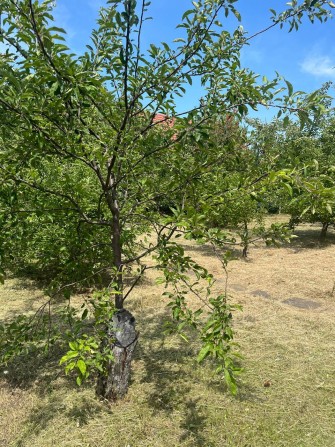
{"x":306,"y":58}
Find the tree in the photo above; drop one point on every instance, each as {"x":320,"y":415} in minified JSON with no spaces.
{"x":308,"y":154}
{"x":80,"y":138}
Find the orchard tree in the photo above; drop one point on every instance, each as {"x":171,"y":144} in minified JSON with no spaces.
{"x":307,"y":155}
{"x":82,"y":156}
{"x":312,"y":195}
{"x":235,"y":194}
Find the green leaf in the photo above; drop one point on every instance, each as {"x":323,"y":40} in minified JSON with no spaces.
{"x":187,"y":13}
{"x":289,"y":188}
{"x":67,"y":293}
{"x":305,"y":211}
{"x":237,"y":14}
{"x":81,"y":366}
{"x":69,"y":367}
{"x":230,"y":381}
{"x":289,"y":88}
{"x":69,"y":355}
{"x":57,"y":29}
{"x":204,"y":352}
{"x":286,"y":121}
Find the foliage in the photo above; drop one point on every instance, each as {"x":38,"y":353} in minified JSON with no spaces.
{"x":82,"y":156}
{"x":82,"y":330}
{"x":307,"y":193}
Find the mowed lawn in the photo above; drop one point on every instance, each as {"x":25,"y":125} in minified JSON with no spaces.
{"x":286,"y":394}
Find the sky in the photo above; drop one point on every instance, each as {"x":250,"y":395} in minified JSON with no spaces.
{"x":306,"y":58}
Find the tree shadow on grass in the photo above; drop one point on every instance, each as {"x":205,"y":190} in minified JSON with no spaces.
{"x":194,"y":423}
{"x":35,"y":369}
{"x":170,"y":374}
{"x":169,"y":366}
{"x":39,"y":419}
{"x":45,"y":412}
{"x":310,"y":238}
{"x":57,"y":394}
{"x":85,"y":410}
{"x":163,"y":372}
{"x":207,"y":250}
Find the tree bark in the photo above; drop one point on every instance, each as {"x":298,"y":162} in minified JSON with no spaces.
{"x":245,"y":240}
{"x":245,"y":251}
{"x":293,"y":223}
{"x":122,"y":340}
{"x":121,"y":336}
{"x":324,"y":229}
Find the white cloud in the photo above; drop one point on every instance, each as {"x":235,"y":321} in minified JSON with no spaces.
{"x":319,"y":65}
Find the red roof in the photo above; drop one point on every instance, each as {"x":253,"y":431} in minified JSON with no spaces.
{"x":161,"y":117}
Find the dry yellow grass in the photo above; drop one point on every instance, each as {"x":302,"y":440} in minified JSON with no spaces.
{"x":287,"y":392}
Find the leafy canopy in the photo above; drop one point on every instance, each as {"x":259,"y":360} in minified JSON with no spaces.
{"x":86,"y":167}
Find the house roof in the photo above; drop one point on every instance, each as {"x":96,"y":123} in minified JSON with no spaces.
{"x":164,"y":119}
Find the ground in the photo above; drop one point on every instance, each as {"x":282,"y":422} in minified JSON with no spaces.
{"x":286,"y":394}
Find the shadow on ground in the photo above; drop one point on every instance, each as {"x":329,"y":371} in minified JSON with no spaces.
{"x":35,"y":369}
{"x":175,"y":383}
{"x":307,"y":236}
{"x":169,"y":370}
{"x":310,"y":238}
{"x":207,"y":250}
{"x":170,"y":375}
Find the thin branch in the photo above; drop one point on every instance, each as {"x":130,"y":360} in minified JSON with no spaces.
{"x":144,"y":87}
{"x":128,"y":14}
{"x":57,"y":147}
{"x":139,"y":33}
{"x":224,"y":266}
{"x":143,"y":269}
{"x":47,"y":210}
{"x":102,"y":113}
{"x":154,"y":247}
{"x":167,"y":145}
{"x":40,"y":40}
{"x":57,"y":194}
{"x":15,"y":44}
{"x":196,"y":293}
{"x":79,"y":281}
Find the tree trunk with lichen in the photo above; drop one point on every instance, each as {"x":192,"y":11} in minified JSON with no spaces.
{"x":122,"y":340}
{"x":121,"y":336}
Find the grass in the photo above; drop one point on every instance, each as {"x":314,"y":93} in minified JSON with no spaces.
{"x":286,"y":396}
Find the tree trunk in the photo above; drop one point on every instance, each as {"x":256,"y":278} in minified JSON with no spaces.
{"x":245,"y":240}
{"x":293,"y":223}
{"x":121,"y":336}
{"x":245,"y":251}
{"x":122,"y":339}
{"x":323,"y":233}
